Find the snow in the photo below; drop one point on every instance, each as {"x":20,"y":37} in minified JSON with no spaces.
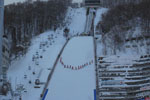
{"x":89,"y":21}
{"x":72,"y":84}
{"x":78,"y":48}
{"x":97,"y":19}
{"x":20,"y":67}
{"x":79,"y":83}
{"x":74,"y":77}
{"x":16,"y":1}
{"x":7,"y":2}
{"x":137,"y":32}
{"x":138,"y":46}
{"x":76,"y":18}
{"x":99,"y":13}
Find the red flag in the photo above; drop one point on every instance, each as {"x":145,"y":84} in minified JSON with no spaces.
{"x":78,"y":67}
{"x":62,"y":63}
{"x":60,"y":59}
{"x":86,"y":64}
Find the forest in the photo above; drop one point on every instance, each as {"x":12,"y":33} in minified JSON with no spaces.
{"x":26,"y":20}
{"x":122,"y":14}
{"x":125,"y":22}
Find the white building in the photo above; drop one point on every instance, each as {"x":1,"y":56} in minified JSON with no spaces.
{"x":5,"y":57}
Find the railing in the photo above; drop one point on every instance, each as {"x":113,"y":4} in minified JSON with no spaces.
{"x":52,"y":71}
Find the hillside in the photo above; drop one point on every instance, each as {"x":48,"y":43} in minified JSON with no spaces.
{"x":125,"y":29}
{"x":41,"y":55}
{"x":25,"y":20}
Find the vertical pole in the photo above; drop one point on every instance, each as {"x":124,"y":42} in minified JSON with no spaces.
{"x":95,"y":95}
{"x":1,"y":32}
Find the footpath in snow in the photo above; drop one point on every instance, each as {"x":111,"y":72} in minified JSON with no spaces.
{"x":74,"y":76}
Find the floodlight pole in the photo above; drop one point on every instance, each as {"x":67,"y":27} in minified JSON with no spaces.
{"x":1,"y":32}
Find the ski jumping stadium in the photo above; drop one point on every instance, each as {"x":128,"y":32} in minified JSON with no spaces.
{"x":112,"y":79}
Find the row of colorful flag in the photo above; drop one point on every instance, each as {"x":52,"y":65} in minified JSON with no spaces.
{"x":76,"y":67}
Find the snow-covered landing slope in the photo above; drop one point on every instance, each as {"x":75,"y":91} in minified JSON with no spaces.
{"x":74,"y":76}
{"x":76,"y":19}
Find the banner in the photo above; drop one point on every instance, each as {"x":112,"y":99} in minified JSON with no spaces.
{"x":147,"y":98}
{"x":140,"y":99}
{"x":45,"y":94}
{"x":94,"y":94}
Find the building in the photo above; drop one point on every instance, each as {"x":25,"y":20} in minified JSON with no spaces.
{"x":5,"y":65}
{"x":112,"y":3}
{"x":92,"y":3}
{"x":124,"y":78}
{"x":4,"y":53}
{"x":5,"y":57}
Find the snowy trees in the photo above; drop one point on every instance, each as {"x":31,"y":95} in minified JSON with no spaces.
{"x":123,"y":14}
{"x":25,"y":20}
{"x":145,"y":16}
{"x":121,"y":23}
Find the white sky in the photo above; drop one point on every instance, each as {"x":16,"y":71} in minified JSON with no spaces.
{"x":12,"y":1}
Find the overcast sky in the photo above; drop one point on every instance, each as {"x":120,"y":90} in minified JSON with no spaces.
{"x":12,"y":1}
